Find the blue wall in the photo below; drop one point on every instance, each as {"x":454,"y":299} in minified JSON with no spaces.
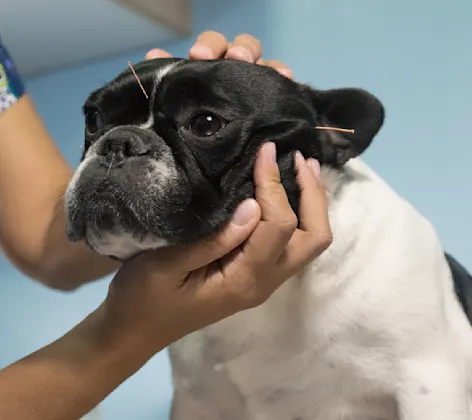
{"x":414,"y":55}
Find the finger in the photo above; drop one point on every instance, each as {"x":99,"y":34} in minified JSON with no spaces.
{"x":245,"y":48}
{"x":209,"y":45}
{"x":242,"y":270}
{"x":270,"y":192}
{"x":192,"y":257}
{"x":157,"y":53}
{"x":279,"y":66}
{"x":312,"y":194}
{"x":314,"y":235}
{"x":278,"y":221}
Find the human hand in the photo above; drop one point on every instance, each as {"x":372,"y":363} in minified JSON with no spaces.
{"x":211,"y":45}
{"x":161,"y":296}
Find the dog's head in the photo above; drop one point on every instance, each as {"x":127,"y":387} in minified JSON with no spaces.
{"x":171,"y":168}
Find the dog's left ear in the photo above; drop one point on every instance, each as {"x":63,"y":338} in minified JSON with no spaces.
{"x":345,"y":108}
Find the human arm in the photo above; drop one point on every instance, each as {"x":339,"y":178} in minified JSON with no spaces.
{"x":159,"y":297}
{"x":34,"y":176}
{"x":67,"y":378}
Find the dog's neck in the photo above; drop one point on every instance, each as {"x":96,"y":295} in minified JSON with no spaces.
{"x":358,"y":201}
{"x":332,"y":180}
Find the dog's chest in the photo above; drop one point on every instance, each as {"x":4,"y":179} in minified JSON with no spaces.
{"x":278,"y":362}
{"x":325,"y":345}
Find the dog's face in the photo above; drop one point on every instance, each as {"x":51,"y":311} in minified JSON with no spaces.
{"x":171,"y":168}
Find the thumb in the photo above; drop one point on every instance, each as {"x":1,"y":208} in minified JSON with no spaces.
{"x":192,"y":257}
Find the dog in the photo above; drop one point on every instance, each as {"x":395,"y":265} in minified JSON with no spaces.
{"x":377,"y":328}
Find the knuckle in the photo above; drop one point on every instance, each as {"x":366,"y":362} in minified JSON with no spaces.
{"x":274,"y":207}
{"x":321,"y":242}
{"x":248,"y":40}
{"x":244,"y":37}
{"x":257,"y":44}
{"x":214,"y":36}
{"x":249,"y":293}
{"x":277,"y":64}
{"x":326,"y":240}
{"x":254,"y":297}
{"x":218,"y":241}
{"x":288,"y":221}
{"x":270,"y":188}
{"x":271,"y":179}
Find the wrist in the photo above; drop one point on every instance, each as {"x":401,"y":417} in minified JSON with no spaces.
{"x":71,"y":375}
{"x":95,"y":348}
{"x":124,"y":340}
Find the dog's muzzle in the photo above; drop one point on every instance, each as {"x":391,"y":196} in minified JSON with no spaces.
{"x":122,"y":143}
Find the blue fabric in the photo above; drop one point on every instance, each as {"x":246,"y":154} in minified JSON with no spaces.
{"x":11,"y":85}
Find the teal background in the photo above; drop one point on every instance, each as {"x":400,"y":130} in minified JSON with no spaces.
{"x":415,"y":56}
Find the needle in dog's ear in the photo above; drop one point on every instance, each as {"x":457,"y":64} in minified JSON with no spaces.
{"x":343,"y":130}
{"x":137,"y":79}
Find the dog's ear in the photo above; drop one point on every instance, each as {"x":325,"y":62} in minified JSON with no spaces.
{"x":349,"y":109}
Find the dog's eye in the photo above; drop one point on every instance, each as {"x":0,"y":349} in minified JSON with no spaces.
{"x":93,"y":121}
{"x":205,"y":125}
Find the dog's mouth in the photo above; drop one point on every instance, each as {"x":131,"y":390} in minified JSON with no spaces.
{"x":120,"y":207}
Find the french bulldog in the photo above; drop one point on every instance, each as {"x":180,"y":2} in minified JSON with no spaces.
{"x":377,"y":328}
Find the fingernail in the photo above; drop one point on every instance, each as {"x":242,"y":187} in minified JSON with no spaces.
{"x":269,"y":152}
{"x":201,"y":52}
{"x":245,"y":212}
{"x":286,"y":72}
{"x":240,"y":53}
{"x":314,"y":166}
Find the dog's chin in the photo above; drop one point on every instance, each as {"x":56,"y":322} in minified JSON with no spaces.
{"x":128,"y":210}
{"x":119,"y":228}
{"x":121,"y":244}
{"x":122,"y":230}
{"x":124,"y":210}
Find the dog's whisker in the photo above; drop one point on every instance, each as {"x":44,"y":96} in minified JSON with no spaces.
{"x":342,"y":130}
{"x":137,"y":79}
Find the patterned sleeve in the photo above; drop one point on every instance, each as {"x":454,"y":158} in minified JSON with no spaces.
{"x":11,"y":85}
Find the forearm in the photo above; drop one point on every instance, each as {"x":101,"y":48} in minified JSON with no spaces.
{"x":33,"y":178}
{"x":68,"y":378}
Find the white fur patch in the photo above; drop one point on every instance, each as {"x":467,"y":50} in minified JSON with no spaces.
{"x":69,"y":195}
{"x":122,"y":245}
{"x":158,"y":79}
{"x":371,"y":330}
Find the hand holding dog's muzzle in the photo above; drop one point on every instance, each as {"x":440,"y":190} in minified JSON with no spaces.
{"x":160,"y":296}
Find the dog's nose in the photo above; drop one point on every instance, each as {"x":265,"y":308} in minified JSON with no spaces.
{"x":122,"y":144}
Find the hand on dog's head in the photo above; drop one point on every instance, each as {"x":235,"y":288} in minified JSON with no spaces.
{"x":172,"y":168}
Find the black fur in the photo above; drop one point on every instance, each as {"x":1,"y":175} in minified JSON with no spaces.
{"x":462,"y":284}
{"x":216,"y":173}
{"x":257,"y":104}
